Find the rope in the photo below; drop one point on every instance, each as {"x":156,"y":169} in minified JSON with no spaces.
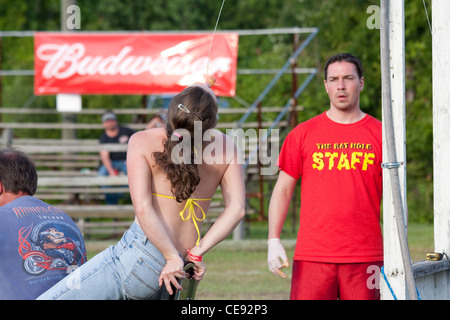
{"x":390,"y":288}
{"x":388,"y":284}
{"x":431,"y":32}
{"x":212,"y":38}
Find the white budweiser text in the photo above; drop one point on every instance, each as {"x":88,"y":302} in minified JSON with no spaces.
{"x":67,"y":60}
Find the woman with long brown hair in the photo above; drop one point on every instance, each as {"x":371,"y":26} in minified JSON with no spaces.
{"x":173,"y":173}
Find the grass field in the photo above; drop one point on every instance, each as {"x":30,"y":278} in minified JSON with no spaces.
{"x":237,"y":270}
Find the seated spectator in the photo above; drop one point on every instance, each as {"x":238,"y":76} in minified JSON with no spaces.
{"x":113,"y":163}
{"x":156,"y":121}
{"x":40,"y":244}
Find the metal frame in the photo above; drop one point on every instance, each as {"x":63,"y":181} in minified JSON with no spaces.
{"x":290,"y":66}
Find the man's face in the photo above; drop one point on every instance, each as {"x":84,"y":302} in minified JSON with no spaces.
{"x":343,"y":86}
{"x":110,"y":125}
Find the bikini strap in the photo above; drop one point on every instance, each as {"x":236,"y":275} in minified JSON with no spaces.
{"x":190,"y":203}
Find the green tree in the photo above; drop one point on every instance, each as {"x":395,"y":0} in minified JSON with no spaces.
{"x":343,"y":28}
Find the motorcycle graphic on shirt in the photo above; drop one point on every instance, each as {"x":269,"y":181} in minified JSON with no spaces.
{"x":50,"y":245}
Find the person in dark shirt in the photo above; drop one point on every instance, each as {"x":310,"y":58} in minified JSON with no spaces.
{"x":113,"y":163}
{"x":39,"y":244}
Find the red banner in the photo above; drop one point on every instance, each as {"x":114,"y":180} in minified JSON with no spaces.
{"x":133,"y":63}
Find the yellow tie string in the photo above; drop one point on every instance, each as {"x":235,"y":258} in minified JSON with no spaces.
{"x":190,"y":203}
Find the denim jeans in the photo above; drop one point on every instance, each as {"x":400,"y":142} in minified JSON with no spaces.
{"x":121,"y":166}
{"x":128,"y":270}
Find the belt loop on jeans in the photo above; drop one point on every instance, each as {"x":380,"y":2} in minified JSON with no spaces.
{"x":139,"y":233}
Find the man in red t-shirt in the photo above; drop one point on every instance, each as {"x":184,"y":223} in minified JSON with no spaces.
{"x":338,"y":156}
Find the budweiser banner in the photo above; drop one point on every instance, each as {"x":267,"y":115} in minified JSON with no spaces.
{"x":94,"y":63}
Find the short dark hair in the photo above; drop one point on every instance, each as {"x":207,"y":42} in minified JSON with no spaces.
{"x":344,"y":57}
{"x":17,"y":172}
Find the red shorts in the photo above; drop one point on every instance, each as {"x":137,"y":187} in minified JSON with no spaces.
{"x":330,"y":281}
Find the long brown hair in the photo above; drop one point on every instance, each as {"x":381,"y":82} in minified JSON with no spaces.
{"x":194,"y":103}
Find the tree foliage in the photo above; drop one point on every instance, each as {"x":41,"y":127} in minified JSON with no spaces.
{"x":343,"y":28}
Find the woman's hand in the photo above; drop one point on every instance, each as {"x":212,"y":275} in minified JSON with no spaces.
{"x":199,"y":270}
{"x":171,"y":273}
{"x":199,"y":266}
{"x":210,"y":81}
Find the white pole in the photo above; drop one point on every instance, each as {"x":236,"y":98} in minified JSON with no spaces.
{"x":441,"y":123}
{"x":397,"y":264}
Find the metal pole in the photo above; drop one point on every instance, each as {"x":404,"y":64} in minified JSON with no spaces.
{"x":391,"y":149}
{"x":441,"y":131}
{"x":260,"y":176}
{"x":276,"y":78}
{"x":66,"y":117}
{"x":293,"y":123}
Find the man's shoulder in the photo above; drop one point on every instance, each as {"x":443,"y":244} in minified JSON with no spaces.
{"x":307,"y":124}
{"x":23,"y":200}
{"x":27,"y":200}
{"x":373,"y":120}
{"x":126,"y":130}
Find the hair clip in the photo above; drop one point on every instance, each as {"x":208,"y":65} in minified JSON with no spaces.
{"x":183,"y":108}
{"x":176,"y":134}
{"x":199,"y":117}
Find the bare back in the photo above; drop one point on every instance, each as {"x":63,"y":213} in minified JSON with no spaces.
{"x":146,"y":179}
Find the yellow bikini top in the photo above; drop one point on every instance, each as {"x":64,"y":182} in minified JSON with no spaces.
{"x":190,"y":203}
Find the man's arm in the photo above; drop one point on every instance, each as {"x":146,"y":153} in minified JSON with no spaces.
{"x":279,"y":203}
{"x":106,"y":161}
{"x":278,"y":209}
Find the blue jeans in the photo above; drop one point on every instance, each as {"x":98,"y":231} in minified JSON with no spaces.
{"x":120,"y":165}
{"x":128,"y":270}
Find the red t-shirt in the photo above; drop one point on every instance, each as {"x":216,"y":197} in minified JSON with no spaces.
{"x":341,"y":188}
